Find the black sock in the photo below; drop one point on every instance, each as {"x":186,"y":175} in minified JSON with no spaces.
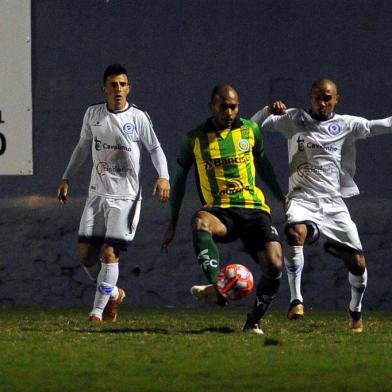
{"x":266,"y":291}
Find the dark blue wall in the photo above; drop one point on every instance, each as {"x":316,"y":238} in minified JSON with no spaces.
{"x":176,"y":51}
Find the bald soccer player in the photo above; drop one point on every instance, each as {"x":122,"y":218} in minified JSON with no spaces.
{"x":321,"y":147}
{"x":226,"y":152}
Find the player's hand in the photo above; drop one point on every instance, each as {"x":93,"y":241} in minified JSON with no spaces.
{"x":162,"y":189}
{"x":62,"y":191}
{"x":168,"y":237}
{"x":278,"y":108}
{"x":285,"y":202}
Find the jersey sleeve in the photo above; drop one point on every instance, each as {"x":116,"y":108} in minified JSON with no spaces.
{"x":360,"y":127}
{"x":258,"y":148}
{"x":159,"y":161}
{"x":178,"y":191}
{"x":282,"y":123}
{"x":260,"y":116}
{"x":380,"y":127}
{"x":82,"y":149}
{"x":186,"y":157}
{"x":263,"y":165}
{"x":147,"y":133}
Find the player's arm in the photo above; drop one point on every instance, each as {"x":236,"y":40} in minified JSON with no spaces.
{"x":361,"y":128}
{"x":176,"y":198}
{"x":267,"y":175}
{"x":184,"y":163}
{"x":380,"y":127}
{"x":264,"y":168}
{"x":151,"y":143}
{"x":78,"y":158}
{"x":162,"y":185}
{"x":277,"y":108}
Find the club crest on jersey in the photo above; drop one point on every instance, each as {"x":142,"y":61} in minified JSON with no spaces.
{"x":129,"y":128}
{"x":334,"y":128}
{"x":243,"y":145}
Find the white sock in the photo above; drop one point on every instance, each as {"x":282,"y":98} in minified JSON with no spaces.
{"x":93,"y":270}
{"x":294,"y":262}
{"x":358,"y":286}
{"x":106,"y":287}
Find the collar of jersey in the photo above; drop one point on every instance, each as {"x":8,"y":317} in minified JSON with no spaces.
{"x":308,"y":112}
{"x":210,"y":127}
{"x":118,"y":111}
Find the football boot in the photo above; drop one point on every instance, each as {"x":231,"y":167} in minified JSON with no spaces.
{"x":253,"y":328}
{"x":94,"y":319}
{"x":355,"y":323}
{"x":296,"y":310}
{"x":209,"y":294}
{"x":111,"y":309}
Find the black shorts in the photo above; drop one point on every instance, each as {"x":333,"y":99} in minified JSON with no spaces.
{"x":252,"y":226}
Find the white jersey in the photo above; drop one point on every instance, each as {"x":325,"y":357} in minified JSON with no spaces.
{"x":315,"y":149}
{"x":116,"y":140}
{"x":319,"y":151}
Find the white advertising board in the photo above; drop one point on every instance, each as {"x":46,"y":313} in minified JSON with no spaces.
{"x":16,"y":128}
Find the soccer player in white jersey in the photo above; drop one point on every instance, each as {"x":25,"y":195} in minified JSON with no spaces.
{"x":321,"y":159}
{"x":115,"y":132}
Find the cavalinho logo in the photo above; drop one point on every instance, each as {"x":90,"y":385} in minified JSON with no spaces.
{"x":98,"y":144}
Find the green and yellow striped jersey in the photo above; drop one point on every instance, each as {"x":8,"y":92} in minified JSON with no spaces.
{"x":224,"y":163}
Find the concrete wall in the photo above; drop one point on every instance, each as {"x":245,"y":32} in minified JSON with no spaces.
{"x":40,"y":267}
{"x":176,"y":51}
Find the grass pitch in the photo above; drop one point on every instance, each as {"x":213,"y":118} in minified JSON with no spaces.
{"x":191,"y":350}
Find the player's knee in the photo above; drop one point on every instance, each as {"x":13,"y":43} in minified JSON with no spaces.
{"x":296,"y":235}
{"x":274,"y":256}
{"x":199,"y":223}
{"x":110,"y":254}
{"x":88,"y":254}
{"x":356,"y":264}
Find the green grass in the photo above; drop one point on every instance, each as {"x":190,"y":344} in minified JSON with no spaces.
{"x":191,"y":350}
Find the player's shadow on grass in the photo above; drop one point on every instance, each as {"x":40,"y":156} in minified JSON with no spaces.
{"x":163,"y":331}
{"x":105,"y":330}
{"x":210,"y":329}
{"x":125,"y":330}
{"x":158,"y":330}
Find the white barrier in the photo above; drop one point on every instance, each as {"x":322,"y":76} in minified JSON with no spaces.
{"x":16,"y":150}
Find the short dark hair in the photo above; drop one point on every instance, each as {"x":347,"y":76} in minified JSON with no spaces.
{"x":221,"y":89}
{"x":114,"y":69}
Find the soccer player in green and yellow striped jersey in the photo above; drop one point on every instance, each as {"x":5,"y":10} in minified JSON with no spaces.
{"x":226,"y":152}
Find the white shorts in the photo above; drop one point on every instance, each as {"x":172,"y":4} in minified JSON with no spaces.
{"x":331,"y":217}
{"x":109,"y":221}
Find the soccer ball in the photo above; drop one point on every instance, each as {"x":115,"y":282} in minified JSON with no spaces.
{"x":235,"y":282}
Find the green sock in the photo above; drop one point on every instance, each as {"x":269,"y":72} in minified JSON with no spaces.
{"x":266,"y":291}
{"x":207,"y":254}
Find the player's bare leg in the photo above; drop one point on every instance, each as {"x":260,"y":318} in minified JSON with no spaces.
{"x":294,"y":262}
{"x":90,"y":259}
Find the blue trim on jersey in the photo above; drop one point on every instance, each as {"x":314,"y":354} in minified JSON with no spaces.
{"x":148,"y":118}
{"x":118,"y":111}
{"x":96,"y":104}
